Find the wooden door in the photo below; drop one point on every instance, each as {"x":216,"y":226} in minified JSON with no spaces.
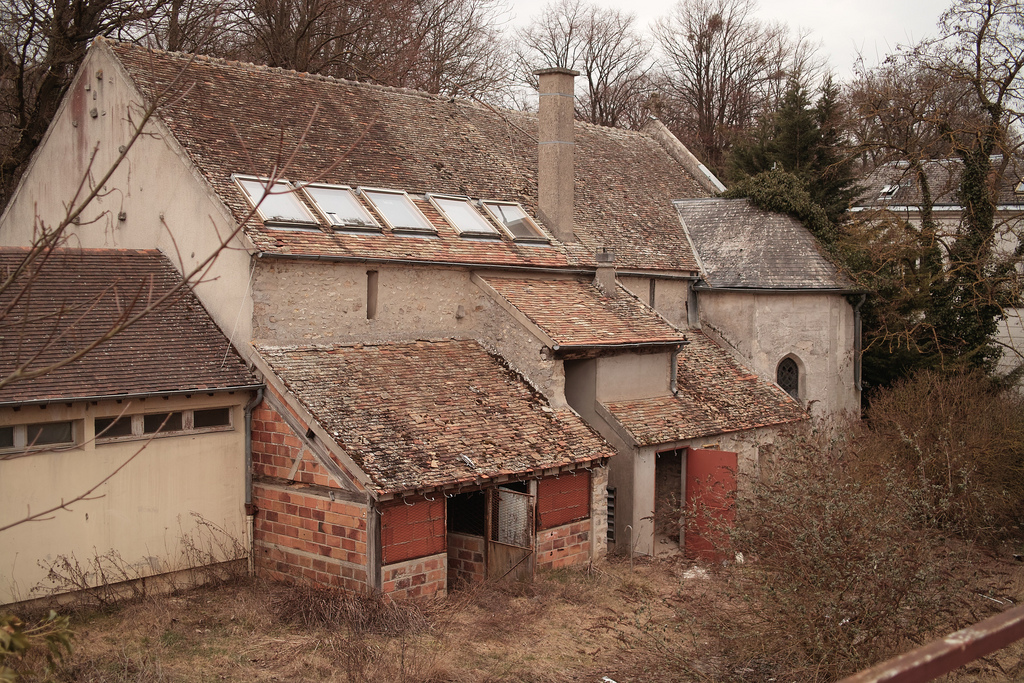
{"x":510,"y":537}
{"x":709,"y":497}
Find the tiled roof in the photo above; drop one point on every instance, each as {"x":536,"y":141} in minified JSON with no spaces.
{"x":742,"y":246}
{"x":406,"y":413}
{"x":576,"y":313}
{"x":716,"y":395}
{"x":232,"y":117}
{"x":943,"y":184}
{"x":70,"y":298}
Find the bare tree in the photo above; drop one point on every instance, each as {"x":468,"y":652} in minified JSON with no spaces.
{"x":721,"y":70}
{"x":441,"y":46}
{"x":605,"y":47}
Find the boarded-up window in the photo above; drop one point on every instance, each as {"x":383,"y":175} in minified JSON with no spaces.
{"x":563,"y":500}
{"x":411,"y":531}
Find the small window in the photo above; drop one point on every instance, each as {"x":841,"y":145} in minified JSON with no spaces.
{"x":49,"y":433}
{"x":787,"y":376}
{"x":398,"y":211}
{"x":6,"y":437}
{"x":463,"y":217}
{"x":341,"y":207}
{"x":113,"y":427}
{"x":516,"y":221}
{"x":278,"y":204}
{"x":162,"y":422}
{"x":215,"y":417}
{"x":888,"y":192}
{"x":1019,"y":188}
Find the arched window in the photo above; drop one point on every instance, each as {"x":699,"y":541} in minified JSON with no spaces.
{"x":787,"y":375}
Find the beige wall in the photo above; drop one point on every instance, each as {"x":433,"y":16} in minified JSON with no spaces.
{"x":816,"y":330}
{"x":670,"y":296}
{"x":630,"y":375}
{"x":144,"y":513}
{"x":158,"y":192}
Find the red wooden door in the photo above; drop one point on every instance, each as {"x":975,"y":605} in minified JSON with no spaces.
{"x":710,"y":502}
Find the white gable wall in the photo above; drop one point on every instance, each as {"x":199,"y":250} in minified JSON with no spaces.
{"x":166,"y":203}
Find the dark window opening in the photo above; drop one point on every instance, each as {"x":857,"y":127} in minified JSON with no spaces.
{"x":371,"y":294}
{"x":651,"y":293}
{"x":466,"y":513}
{"x":111,"y":427}
{"x":520,"y":486}
{"x":49,"y":433}
{"x":6,"y":437}
{"x":162,"y":422}
{"x":213,"y":417}
{"x":787,"y":376}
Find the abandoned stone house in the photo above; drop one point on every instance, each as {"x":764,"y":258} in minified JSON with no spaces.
{"x":486,"y":338}
{"x":893,"y":191}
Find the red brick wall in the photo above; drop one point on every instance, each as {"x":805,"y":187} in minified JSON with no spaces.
{"x":465,"y":559}
{"x":275,"y":447}
{"x":411,"y":531}
{"x":303,"y":536}
{"x":564,"y":546}
{"x":419,"y":578}
{"x":563,"y":500}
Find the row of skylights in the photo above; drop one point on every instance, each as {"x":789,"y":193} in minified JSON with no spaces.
{"x":279,"y":203}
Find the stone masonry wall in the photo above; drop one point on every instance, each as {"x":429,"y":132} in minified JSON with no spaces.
{"x":564,"y":546}
{"x":466,"y":559}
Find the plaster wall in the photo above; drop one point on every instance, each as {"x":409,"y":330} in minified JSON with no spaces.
{"x":670,"y":296}
{"x":816,"y":330}
{"x":305,"y":302}
{"x":163,"y":497}
{"x":166,"y":204}
{"x":627,"y":376}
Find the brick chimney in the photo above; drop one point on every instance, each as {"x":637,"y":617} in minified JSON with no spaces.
{"x":555,"y":178}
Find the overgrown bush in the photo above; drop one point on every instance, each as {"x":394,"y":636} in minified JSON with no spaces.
{"x":960,"y":439}
{"x":855,"y":536}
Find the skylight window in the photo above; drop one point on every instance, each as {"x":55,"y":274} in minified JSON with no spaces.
{"x":888,"y":192}
{"x":341,"y":207}
{"x":277,"y":203}
{"x":1019,"y":189}
{"x":398,"y":211}
{"x":466,"y":219}
{"x":516,"y":221}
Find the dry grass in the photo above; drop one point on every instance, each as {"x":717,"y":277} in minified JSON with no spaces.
{"x":652,"y":624}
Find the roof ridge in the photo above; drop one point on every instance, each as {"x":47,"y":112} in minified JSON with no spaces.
{"x":292,"y":73}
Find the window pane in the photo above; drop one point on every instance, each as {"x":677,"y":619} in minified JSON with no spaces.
{"x":215,"y":417}
{"x":110,"y":427}
{"x":787,"y":376}
{"x":340,"y":206}
{"x":161,"y":422}
{"x":515,"y":221}
{"x":399,"y":211}
{"x":49,"y":433}
{"x":6,"y":437}
{"x":279,"y":204}
{"x":465,"y":218}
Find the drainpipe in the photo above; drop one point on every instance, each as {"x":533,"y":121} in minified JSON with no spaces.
{"x":250,"y":509}
{"x":857,"y":343}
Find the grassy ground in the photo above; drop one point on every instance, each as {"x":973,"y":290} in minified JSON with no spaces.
{"x":630,"y":624}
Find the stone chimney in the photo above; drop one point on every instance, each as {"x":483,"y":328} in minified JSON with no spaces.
{"x":555,"y":179}
{"x":604,"y":278}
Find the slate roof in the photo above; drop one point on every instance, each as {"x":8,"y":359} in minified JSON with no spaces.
{"x":406,"y":413}
{"x":233,"y":118}
{"x":716,"y":395}
{"x":943,"y":183}
{"x":744,"y":247}
{"x":70,"y":298}
{"x":577,"y":313}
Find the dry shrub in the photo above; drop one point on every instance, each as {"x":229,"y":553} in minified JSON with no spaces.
{"x":324,"y":608}
{"x":842,"y":571}
{"x":961,"y":438}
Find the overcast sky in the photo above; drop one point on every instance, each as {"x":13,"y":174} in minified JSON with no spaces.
{"x":872,"y":27}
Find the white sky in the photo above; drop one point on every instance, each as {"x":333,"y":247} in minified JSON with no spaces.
{"x":873,"y":27}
